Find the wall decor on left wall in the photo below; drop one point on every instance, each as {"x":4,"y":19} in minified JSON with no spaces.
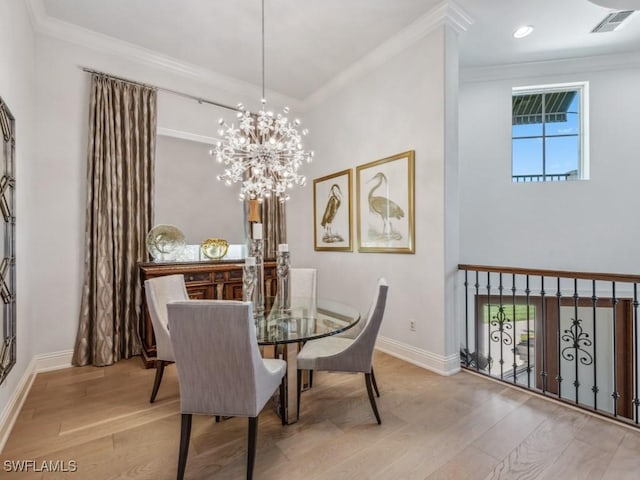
{"x":7,"y":241}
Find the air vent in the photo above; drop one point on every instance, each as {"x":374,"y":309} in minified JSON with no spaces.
{"x":612,"y":22}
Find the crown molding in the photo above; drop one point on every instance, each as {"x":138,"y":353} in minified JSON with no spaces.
{"x":446,"y":13}
{"x":596,"y":63}
{"x":194,"y":137}
{"x":45,"y":25}
{"x":456,"y":17}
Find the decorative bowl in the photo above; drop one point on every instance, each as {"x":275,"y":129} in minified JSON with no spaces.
{"x":214,"y":248}
{"x":165,"y":242}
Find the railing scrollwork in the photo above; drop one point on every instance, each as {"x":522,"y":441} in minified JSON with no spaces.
{"x":578,"y":339}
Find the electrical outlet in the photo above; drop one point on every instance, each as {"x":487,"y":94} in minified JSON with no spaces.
{"x":412,"y":325}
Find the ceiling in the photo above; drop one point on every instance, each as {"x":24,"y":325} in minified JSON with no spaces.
{"x":309,"y":42}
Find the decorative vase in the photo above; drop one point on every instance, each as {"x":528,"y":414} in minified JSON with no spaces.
{"x":214,"y":248}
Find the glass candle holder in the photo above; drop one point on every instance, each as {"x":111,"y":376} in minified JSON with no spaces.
{"x":248,"y":279}
{"x":256,"y":250}
{"x":284,"y":291}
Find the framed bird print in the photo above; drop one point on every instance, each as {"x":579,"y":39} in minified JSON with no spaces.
{"x":332,"y":212}
{"x":385,"y":196}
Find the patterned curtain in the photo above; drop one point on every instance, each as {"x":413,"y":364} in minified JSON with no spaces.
{"x":274,"y":224}
{"x":120,"y":170}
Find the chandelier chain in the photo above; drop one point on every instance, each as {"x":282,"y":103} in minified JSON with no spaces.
{"x":263,"y":93}
{"x":263,"y":151}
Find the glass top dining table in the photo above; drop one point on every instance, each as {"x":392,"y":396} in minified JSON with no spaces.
{"x":287,"y":329}
{"x":306,"y":319}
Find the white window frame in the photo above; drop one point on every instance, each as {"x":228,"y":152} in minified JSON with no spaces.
{"x":583,"y":88}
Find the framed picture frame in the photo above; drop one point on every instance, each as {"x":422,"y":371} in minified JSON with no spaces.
{"x":332,"y":221}
{"x":385,"y":197}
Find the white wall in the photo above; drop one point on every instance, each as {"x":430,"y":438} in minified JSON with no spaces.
{"x":188,"y":195}
{"x":16,"y":87}
{"x":583,"y":225}
{"x":395,"y":107}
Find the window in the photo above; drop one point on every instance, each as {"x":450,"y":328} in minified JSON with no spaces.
{"x":548,"y":133}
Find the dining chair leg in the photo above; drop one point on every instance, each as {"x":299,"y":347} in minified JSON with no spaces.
{"x":299,"y":387}
{"x":185,"y":435}
{"x":372,"y":399}
{"x":251,"y":450}
{"x":375,"y":385}
{"x":156,"y":384}
{"x":283,"y":392}
{"x":310,"y":378}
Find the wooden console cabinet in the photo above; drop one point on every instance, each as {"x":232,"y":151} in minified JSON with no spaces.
{"x":215,"y":280}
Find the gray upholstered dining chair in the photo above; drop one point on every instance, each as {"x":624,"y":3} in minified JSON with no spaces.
{"x":304,"y":283}
{"x":220,"y":370}
{"x":160,"y":291}
{"x":344,"y":354}
{"x":304,"y":295}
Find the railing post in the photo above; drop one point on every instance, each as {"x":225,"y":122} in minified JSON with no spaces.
{"x":615,"y":395}
{"x":500,"y":317}
{"x":513,"y":319}
{"x":636,"y":366}
{"x":543,"y":371}
{"x":595,"y":389}
{"x":489,"y":359}
{"x":559,"y":340}
{"x":528,"y":293}
{"x":576,"y":320}
{"x":466,"y":315}
{"x":478,"y":321}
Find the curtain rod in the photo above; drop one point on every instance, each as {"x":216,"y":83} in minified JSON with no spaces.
{"x":162,"y":89}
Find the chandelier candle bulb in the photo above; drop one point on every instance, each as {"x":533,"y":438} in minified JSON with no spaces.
{"x":257,"y":231}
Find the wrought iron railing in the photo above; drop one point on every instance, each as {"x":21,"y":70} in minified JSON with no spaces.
{"x":560,"y":177}
{"x":572,"y":336}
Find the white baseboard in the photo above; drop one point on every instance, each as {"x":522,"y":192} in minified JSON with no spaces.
{"x":439,"y":364}
{"x":14,"y":405}
{"x":38,"y":364}
{"x":53,"y":361}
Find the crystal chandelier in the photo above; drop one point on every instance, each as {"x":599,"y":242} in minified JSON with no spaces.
{"x":262,"y":151}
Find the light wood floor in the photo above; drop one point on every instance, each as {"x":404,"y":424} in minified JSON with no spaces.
{"x":433,"y":427}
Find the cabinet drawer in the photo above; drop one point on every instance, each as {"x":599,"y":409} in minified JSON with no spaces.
{"x":197,"y":277}
{"x":235,"y":274}
{"x":233,"y":291}
{"x":200,"y":293}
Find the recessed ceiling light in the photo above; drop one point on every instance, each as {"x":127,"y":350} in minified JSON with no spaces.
{"x":523,"y":31}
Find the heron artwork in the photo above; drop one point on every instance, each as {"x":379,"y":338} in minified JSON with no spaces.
{"x":386,"y":208}
{"x":333,"y":204}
